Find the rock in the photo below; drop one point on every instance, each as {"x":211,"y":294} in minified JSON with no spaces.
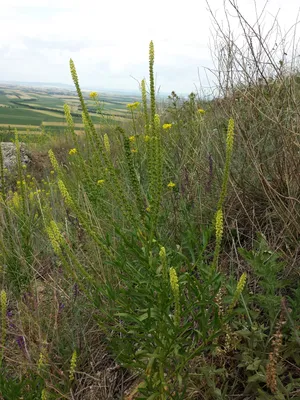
{"x":9,"y":153}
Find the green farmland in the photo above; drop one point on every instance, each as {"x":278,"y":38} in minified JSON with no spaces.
{"x":22,"y":107}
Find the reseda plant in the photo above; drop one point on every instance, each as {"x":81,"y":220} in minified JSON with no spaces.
{"x":157,"y":306}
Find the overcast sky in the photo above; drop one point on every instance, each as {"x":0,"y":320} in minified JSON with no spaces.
{"x":108,"y":40}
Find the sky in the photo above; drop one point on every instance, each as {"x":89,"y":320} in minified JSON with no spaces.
{"x":108,"y":40}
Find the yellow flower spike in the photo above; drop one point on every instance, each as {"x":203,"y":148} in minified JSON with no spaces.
{"x":72,"y":151}
{"x":56,"y":238}
{"x":219,"y":234}
{"x":174,"y":282}
{"x":163,"y":259}
{"x":53,"y":160}
{"x":41,"y":361}
{"x":162,"y":253}
{"x":100,"y":182}
{"x":229,"y":148}
{"x":167,"y":126}
{"x":93,"y":95}
{"x":219,"y":225}
{"x":44,"y":395}
{"x":131,"y":138}
{"x":65,"y":193}
{"x":106,"y":143}
{"x":239,"y":288}
{"x":175,"y":289}
{"x":69,"y":118}
{"x":171,"y":185}
{"x":73,"y":365}
{"x":201,"y":111}
{"x":3,"y":301}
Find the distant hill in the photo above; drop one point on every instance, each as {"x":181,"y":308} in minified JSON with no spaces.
{"x":59,"y":85}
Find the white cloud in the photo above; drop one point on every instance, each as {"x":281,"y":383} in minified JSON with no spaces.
{"x":39,"y":36}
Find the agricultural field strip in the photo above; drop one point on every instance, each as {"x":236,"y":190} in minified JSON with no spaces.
{"x":27,"y":106}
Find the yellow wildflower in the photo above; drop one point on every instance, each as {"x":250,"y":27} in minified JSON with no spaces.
{"x":73,"y":365}
{"x":147,"y":138}
{"x":148,"y":209}
{"x":106,"y":143}
{"x":72,"y":151}
{"x":93,"y":95}
{"x":133,"y":106}
{"x":239,"y":288}
{"x":41,"y":361}
{"x":171,"y":185}
{"x":100,"y":181}
{"x":64,"y":192}
{"x":134,"y":151}
{"x":52,"y":172}
{"x":174,"y":282}
{"x":3,"y":302}
{"x":201,"y":111}
{"x":132,"y":138}
{"x":53,"y":160}
{"x":230,"y":136}
{"x":219,"y":225}
{"x":44,"y":395}
{"x":167,"y":126}
{"x":175,"y":289}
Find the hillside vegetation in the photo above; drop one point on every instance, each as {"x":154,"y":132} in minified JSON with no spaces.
{"x":158,"y":258}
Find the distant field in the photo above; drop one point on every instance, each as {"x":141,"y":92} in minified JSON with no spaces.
{"x":23,"y":107}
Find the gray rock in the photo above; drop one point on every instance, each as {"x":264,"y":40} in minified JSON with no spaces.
{"x":9,"y":153}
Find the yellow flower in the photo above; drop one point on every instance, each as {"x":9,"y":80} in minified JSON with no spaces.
{"x":171,"y":185}
{"x":65,"y":194}
{"x":93,"y":95}
{"x":175,"y":289}
{"x":133,"y":106}
{"x":201,"y":111}
{"x":41,"y":361}
{"x":100,"y":181}
{"x":73,"y":365}
{"x":219,"y":225}
{"x":241,"y":283}
{"x":240,"y":287}
{"x":132,"y":138}
{"x":230,"y":136}
{"x":148,"y":209}
{"x":174,"y":282}
{"x":106,"y":143}
{"x":167,"y":126}
{"x":3,"y":302}
{"x":134,"y":151}
{"x":44,"y":395}
{"x":52,"y":172}
{"x":147,"y":138}
{"x":72,"y":151}
{"x":53,"y":160}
